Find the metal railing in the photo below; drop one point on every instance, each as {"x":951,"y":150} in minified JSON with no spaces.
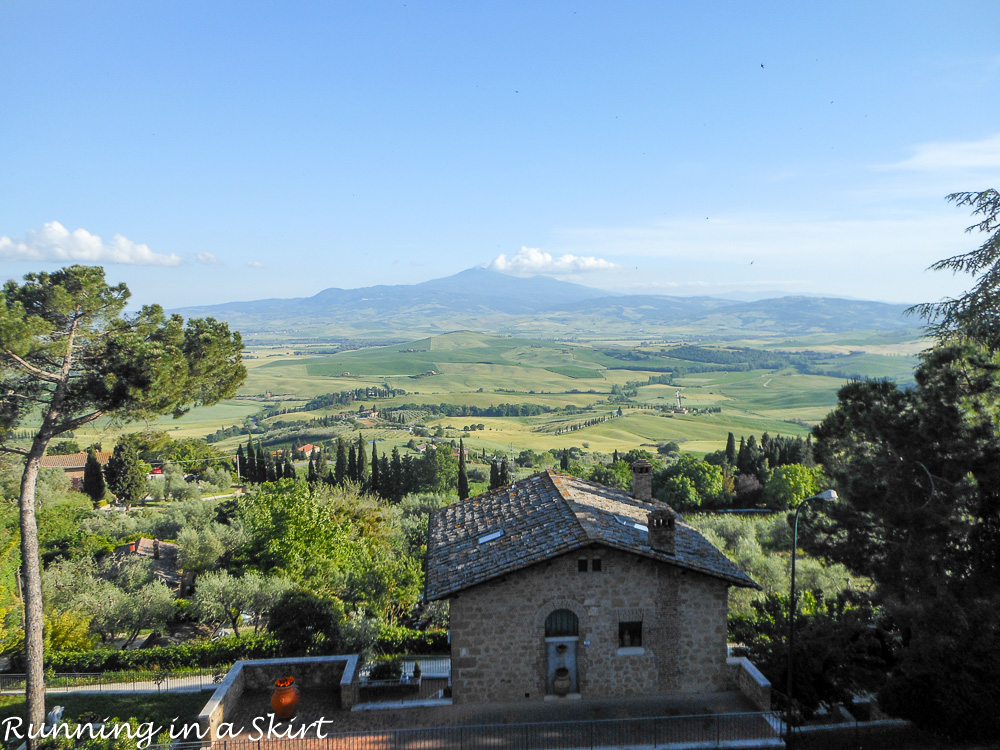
{"x":704,"y":730}
{"x":130,"y":681}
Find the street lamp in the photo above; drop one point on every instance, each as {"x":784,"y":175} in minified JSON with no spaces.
{"x":824,"y":496}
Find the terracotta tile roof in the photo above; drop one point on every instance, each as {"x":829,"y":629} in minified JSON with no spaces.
{"x":72,"y":460}
{"x":547,"y":515}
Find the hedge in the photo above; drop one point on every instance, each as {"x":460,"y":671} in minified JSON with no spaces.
{"x":396,"y":639}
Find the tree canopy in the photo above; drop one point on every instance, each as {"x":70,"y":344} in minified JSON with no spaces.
{"x":69,"y":353}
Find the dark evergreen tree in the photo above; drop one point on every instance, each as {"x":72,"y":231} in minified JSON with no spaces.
{"x":463,"y":477}
{"x":352,"y":463}
{"x":241,"y":464}
{"x":252,"y":473}
{"x":375,"y":488}
{"x":614,"y":458}
{"x":93,"y":478}
{"x":362,"y":462}
{"x":397,"y":479}
{"x":271,"y":470}
{"x":564,"y":461}
{"x":288,"y":472}
{"x":494,"y":475}
{"x":741,"y":457}
{"x":384,"y":480}
{"x":319,"y":460}
{"x":504,"y":473}
{"x":731,"y":450}
{"x":340,"y":469}
{"x":311,"y":475}
{"x":126,"y":473}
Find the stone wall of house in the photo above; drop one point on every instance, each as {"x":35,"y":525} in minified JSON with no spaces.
{"x":498,"y":646}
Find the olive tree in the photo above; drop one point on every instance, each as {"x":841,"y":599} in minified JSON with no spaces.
{"x":69,"y":354}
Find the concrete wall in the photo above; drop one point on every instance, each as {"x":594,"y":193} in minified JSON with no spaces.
{"x":335,"y":673}
{"x":747,"y":679}
{"x":498,"y":647}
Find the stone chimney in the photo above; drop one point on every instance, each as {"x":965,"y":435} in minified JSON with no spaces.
{"x":662,"y":525}
{"x":642,"y":481}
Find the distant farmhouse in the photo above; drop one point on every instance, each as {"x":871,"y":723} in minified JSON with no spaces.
{"x":72,"y":464}
{"x":562,"y":587}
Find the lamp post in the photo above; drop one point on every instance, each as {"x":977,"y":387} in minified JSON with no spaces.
{"x":824,"y":496}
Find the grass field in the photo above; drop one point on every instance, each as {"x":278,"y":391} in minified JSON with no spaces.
{"x":466,"y":368}
{"x":163,"y":709}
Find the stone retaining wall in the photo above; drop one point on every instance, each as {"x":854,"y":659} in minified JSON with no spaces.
{"x":747,"y":679}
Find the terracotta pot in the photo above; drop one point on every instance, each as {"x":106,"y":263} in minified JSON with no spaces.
{"x":561,"y":683}
{"x":285,"y":701}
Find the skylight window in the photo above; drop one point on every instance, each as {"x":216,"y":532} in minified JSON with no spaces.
{"x":626,"y":521}
{"x":490,"y":537}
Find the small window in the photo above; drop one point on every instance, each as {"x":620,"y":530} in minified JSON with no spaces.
{"x":581,"y":565}
{"x":595,"y":565}
{"x":490,"y":537}
{"x":629,"y":634}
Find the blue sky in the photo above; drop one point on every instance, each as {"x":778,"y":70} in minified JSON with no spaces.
{"x":213,"y":151}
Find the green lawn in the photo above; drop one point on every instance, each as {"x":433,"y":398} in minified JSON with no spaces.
{"x":161,"y":708}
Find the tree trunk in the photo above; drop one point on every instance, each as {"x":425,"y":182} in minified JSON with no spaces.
{"x":31,"y":574}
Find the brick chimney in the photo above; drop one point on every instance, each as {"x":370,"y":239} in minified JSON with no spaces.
{"x":642,"y":481}
{"x":662,"y":527}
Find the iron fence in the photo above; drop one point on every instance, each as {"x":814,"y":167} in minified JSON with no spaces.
{"x":706,"y":731}
{"x":134,"y":681}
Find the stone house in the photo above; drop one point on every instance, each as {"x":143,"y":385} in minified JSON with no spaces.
{"x":563,"y":587}
{"x":73,"y":464}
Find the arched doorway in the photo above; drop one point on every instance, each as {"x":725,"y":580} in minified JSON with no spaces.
{"x":562,"y":630}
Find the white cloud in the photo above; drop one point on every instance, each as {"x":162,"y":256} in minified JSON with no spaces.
{"x":254,"y":264}
{"x":531,"y":260}
{"x":55,"y":242}
{"x":208,"y":258}
{"x":954,"y":155}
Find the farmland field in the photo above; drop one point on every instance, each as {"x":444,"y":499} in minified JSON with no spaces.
{"x":583,"y":386}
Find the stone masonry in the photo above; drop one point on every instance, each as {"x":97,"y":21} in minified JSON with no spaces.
{"x":498,"y":646}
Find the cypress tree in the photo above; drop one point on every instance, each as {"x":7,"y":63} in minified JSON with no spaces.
{"x":741,"y":457}
{"x":731,"y":450}
{"x":463,"y":478}
{"x":504,"y":473}
{"x":385,"y":485}
{"x":352,"y":464}
{"x":241,"y":464}
{"x":93,"y":478}
{"x":362,"y":461}
{"x":251,"y":475}
{"x":375,"y":487}
{"x":397,"y":479}
{"x":320,"y":460}
{"x":494,"y":475}
{"x":340,"y":467}
{"x":311,"y":475}
{"x":564,"y":461}
{"x":289,"y":469}
{"x":272,"y":471}
{"x":126,"y":474}
{"x":262,"y":460}
{"x":614,"y":459}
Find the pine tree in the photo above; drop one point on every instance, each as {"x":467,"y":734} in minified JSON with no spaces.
{"x":93,"y":478}
{"x":731,"y":450}
{"x":340,"y":468}
{"x":375,"y":488}
{"x":463,"y":478}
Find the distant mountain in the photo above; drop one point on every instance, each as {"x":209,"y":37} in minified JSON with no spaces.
{"x":488,"y":301}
